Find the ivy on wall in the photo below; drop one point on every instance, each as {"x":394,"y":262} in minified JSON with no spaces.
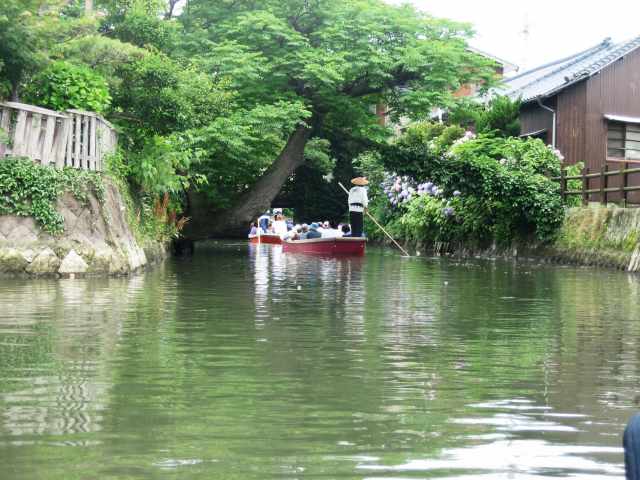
{"x":29,"y":189}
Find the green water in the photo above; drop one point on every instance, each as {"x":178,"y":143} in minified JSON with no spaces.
{"x":252,"y":364}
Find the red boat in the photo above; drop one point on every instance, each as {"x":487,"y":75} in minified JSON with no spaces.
{"x":266,"y":238}
{"x":326,"y":246}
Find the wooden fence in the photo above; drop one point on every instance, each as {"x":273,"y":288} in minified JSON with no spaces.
{"x":604,"y":186}
{"x":74,"y":138}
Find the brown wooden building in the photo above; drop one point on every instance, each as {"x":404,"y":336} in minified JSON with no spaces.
{"x":587,"y":106}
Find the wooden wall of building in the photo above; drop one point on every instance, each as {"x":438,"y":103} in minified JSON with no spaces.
{"x":570,"y":123}
{"x":581,"y":129}
{"x":615,"y":90}
{"x":533,"y":118}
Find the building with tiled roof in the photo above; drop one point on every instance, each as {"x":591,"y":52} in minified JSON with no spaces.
{"x":586,"y":105}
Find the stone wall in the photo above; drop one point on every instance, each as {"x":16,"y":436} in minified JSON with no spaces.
{"x":97,"y":241}
{"x":600,"y":236}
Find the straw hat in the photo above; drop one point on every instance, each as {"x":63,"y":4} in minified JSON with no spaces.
{"x":360,"y":181}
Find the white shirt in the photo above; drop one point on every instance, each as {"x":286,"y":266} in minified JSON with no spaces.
{"x":280,"y":228}
{"x":331,"y":233}
{"x":358,"y":195}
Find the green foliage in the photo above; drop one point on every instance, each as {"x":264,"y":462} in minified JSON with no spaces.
{"x":102,"y":54}
{"x":506,"y":189}
{"x":28,"y":189}
{"x":29,"y":30}
{"x":501,"y":116}
{"x":160,"y":96}
{"x":317,"y":155}
{"x":4,"y":137}
{"x":420,"y":148}
{"x":241,"y":146}
{"x":572,"y":171}
{"x":138,"y":28}
{"x":163,"y":164}
{"x":63,"y":86}
{"x":148,"y":217}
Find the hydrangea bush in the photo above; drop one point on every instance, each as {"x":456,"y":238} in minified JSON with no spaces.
{"x":481,"y":189}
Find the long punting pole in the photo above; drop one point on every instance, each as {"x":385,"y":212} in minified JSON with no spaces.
{"x":379,"y":226}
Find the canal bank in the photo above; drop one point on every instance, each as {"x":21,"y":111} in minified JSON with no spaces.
{"x":97,"y":239}
{"x":605,"y":237}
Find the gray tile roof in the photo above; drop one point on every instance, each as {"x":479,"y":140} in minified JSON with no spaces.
{"x":549,"y":79}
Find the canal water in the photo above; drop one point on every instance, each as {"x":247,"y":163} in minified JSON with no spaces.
{"x":246,"y":363}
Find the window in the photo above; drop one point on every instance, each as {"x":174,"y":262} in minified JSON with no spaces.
{"x":623,"y":141}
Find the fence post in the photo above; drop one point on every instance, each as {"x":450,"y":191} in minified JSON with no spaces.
{"x":623,"y":185}
{"x":585,"y":186}
{"x":563,"y":185}
{"x":603,"y":185}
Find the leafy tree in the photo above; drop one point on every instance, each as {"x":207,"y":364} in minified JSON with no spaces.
{"x":336,"y":58}
{"x":160,"y":96}
{"x":501,"y":116}
{"x":28,"y":30}
{"x":102,"y":54}
{"x":63,"y":86}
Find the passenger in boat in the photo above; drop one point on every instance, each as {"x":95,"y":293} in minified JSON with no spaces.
{"x":270,"y":229}
{"x":313,"y":231}
{"x":263,"y":221}
{"x":280,"y":226}
{"x":255,"y":230}
{"x":329,"y":232}
{"x":294,"y":233}
{"x":358,"y":202}
{"x":304,"y":232}
{"x":346,"y":230}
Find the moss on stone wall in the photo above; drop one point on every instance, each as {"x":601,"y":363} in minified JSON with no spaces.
{"x":606,"y":236}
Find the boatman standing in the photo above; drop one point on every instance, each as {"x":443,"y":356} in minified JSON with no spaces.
{"x":358,"y":202}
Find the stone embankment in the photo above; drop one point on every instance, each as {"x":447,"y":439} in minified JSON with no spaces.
{"x":97,"y":240}
{"x":607,"y":237}
{"x":600,"y":236}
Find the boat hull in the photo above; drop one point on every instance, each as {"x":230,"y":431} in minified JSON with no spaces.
{"x":326,"y":246}
{"x":271,"y":239}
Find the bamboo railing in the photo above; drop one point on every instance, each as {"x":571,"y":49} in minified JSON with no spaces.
{"x":74,"y":138}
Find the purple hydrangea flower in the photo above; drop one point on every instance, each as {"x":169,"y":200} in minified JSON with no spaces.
{"x":457,"y":193}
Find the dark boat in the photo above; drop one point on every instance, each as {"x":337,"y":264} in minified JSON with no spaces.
{"x":326,"y":246}
{"x":266,"y":238}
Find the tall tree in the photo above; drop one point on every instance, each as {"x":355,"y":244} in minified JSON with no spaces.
{"x":334,"y":57}
{"x":28,"y":30}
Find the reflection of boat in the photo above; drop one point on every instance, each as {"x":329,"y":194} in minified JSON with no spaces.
{"x":326,"y":246}
{"x":266,"y":238}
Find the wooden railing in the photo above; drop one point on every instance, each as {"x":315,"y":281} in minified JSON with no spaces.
{"x":604,"y":190}
{"x":75,"y":138}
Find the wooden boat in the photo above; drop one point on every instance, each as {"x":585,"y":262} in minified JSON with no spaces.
{"x":266,"y":238}
{"x":326,"y":246}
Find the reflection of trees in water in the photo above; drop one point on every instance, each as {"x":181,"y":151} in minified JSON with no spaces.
{"x":56,"y":340}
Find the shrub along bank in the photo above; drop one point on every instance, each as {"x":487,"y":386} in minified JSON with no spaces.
{"x":456,"y":189}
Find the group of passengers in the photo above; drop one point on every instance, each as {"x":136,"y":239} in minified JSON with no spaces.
{"x":285,"y":229}
{"x":277,"y":225}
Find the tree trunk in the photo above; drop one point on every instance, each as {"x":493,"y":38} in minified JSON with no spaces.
{"x":235,"y":221}
{"x":15,"y":89}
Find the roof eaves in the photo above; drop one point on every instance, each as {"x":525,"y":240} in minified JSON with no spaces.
{"x":591,"y":70}
{"x":605,"y":42}
{"x":622,"y":50}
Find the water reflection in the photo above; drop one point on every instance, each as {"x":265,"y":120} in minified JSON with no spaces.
{"x":248,"y":363}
